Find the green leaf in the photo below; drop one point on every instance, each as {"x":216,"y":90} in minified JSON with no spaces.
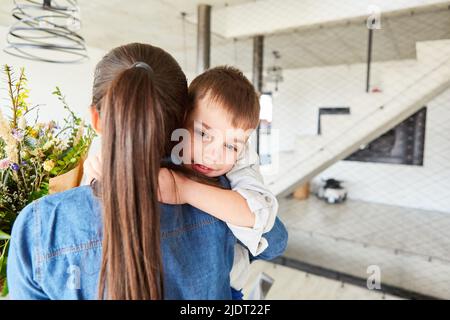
{"x":3,"y":261}
{"x":3,"y":266}
{"x":4,"y":235}
{"x":5,"y":290}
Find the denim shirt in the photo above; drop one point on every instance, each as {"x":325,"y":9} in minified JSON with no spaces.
{"x":56,"y":250}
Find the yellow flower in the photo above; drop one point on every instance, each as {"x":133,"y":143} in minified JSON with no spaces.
{"x":34,"y":133}
{"x":49,"y":165}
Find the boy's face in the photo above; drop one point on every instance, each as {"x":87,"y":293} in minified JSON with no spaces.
{"x":215,"y":143}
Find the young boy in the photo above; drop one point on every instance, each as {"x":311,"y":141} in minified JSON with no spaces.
{"x":223,"y":112}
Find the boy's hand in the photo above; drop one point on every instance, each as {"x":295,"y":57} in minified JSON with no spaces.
{"x":93,"y":167}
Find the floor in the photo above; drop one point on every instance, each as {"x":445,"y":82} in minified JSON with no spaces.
{"x":410,"y":247}
{"x":292,"y":284}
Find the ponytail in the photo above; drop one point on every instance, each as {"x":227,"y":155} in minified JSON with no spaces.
{"x":141,"y":93}
{"x":133,"y":142}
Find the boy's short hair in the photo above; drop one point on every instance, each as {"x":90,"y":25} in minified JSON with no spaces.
{"x":229,"y":87}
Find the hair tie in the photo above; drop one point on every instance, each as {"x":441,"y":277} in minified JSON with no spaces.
{"x":143,"y":65}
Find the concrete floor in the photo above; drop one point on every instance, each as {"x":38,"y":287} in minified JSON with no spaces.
{"x":292,"y":284}
{"x":411,"y":247}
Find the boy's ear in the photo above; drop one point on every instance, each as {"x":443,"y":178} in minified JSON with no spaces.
{"x":95,"y":119}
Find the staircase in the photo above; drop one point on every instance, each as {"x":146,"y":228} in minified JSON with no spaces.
{"x":407,"y":91}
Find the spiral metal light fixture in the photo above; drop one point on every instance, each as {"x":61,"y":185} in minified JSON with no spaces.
{"x":46,"y":31}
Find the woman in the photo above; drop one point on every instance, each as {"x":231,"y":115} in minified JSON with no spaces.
{"x":123,"y":244}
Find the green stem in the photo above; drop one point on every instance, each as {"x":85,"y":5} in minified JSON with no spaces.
{"x":4,"y":247}
{"x":67,"y":128}
{"x":11,"y":95}
{"x":19,"y":88}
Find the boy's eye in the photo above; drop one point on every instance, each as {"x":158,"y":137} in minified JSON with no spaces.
{"x":202,"y":134}
{"x":231,"y":147}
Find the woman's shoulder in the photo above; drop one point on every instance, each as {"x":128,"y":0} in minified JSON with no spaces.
{"x":74,"y":205}
{"x":76,"y":199}
{"x":77,"y":196}
{"x":60,"y":220}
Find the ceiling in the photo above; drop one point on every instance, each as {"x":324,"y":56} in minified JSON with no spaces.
{"x":340,"y":44}
{"x":108,"y":23}
{"x":190,"y":6}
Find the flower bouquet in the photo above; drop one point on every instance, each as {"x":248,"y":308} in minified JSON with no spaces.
{"x":35,"y":158}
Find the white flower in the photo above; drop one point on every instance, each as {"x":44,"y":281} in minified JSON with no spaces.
{"x":12,"y":152}
{"x":5,"y":129}
{"x":79,"y":133}
{"x":11,"y":143}
{"x":47,"y":145}
{"x":22,"y":123}
{"x":63,"y":145}
{"x":49,"y":165}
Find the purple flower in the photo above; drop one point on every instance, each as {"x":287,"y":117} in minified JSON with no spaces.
{"x":24,"y":163}
{"x":15,"y":167}
{"x":17,"y":134}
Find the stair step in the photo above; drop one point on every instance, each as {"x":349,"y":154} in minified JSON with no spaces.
{"x":432,"y":50}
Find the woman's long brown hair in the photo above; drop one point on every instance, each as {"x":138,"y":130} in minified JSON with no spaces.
{"x":133,"y":143}
{"x":139,"y":108}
